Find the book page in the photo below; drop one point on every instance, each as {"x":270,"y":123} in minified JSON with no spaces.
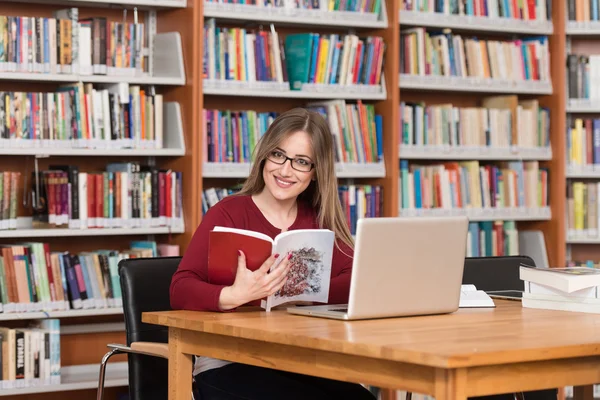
{"x":257,"y":235}
{"x":310,"y":272}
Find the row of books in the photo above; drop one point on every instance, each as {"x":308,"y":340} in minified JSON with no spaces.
{"x":500,"y":121}
{"x":125,"y":195}
{"x":492,"y":238}
{"x":583,"y":72}
{"x":470,"y":184}
{"x":357,"y":131}
{"x":239,"y":54}
{"x":448,"y":54}
{"x":539,"y":10}
{"x":584,"y":10}
{"x":369,"y":6}
{"x":35,"y":278}
{"x":583,"y":209}
{"x":30,"y":356}
{"x":358,"y":201}
{"x":81,"y":116}
{"x":231,"y":136}
{"x":583,"y":142}
{"x":334,"y":59}
{"x":69,"y":45}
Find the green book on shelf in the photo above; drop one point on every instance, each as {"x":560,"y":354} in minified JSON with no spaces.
{"x":298,"y":49}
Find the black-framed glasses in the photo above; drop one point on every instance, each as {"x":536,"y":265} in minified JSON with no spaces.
{"x":299,"y":164}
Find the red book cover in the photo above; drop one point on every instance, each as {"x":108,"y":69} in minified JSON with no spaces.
{"x":223,"y":255}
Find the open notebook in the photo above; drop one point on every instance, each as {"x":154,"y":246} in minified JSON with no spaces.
{"x":470,"y":297}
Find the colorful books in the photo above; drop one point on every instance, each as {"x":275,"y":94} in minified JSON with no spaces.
{"x":310,"y":272}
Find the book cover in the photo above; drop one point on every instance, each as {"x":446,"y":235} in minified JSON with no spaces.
{"x":310,"y":272}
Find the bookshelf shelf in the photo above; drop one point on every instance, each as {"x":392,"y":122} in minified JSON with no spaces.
{"x":345,"y":170}
{"x":476,"y":85}
{"x":60,"y":314}
{"x":73,"y":152}
{"x":474,"y":23}
{"x":583,"y":171}
{"x":583,"y":239}
{"x":282,"y":90}
{"x":173,"y":143}
{"x":167,"y":59}
{"x":143,"y":4}
{"x":40,"y":77}
{"x":484,"y":214}
{"x":583,"y":106}
{"x":76,"y":377}
{"x":473,"y":153}
{"x":587,"y":28}
{"x":287,"y":16}
{"x":40,"y":233}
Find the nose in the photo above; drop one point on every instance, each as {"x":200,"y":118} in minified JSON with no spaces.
{"x":286,"y":168}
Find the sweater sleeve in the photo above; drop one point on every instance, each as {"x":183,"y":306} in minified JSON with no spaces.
{"x":190,"y":289}
{"x":341,"y":272}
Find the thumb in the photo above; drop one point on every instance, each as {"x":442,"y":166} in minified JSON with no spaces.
{"x":241,"y":266}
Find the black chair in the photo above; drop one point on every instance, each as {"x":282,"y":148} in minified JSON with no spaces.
{"x":145,"y":286}
{"x":495,"y":273}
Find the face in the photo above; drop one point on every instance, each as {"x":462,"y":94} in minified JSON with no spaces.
{"x":282,"y":180}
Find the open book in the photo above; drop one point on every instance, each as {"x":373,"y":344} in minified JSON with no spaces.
{"x":310,"y":272}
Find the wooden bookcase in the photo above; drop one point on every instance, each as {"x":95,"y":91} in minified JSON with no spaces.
{"x":192,"y":94}
{"x":174,"y":57}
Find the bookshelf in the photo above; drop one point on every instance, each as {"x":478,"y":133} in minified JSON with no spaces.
{"x":582,"y":113}
{"x":153,"y":72}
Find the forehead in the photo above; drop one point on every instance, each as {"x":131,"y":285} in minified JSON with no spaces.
{"x":297,"y":143}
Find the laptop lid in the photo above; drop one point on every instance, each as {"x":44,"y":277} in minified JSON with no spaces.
{"x":407,"y":266}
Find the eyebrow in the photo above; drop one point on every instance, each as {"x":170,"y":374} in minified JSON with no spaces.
{"x":297,"y":155}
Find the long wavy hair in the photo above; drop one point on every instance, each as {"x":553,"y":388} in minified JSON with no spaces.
{"x":322,"y":193}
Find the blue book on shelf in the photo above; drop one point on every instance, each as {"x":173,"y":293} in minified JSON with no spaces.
{"x":379,"y":136}
{"x":314,"y":58}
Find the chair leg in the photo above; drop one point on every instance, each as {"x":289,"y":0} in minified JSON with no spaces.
{"x":108,"y":355}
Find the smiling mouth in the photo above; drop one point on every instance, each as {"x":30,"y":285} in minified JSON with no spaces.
{"x":283,"y":183}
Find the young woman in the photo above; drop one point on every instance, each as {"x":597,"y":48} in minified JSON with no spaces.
{"x":292,"y":185}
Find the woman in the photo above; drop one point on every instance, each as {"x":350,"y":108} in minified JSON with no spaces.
{"x":292,"y":185}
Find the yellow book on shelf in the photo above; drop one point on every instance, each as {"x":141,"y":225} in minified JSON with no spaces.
{"x":578,"y":195}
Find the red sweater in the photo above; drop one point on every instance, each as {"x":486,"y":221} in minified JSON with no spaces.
{"x":190,"y":289}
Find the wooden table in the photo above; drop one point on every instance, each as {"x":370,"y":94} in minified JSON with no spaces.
{"x":468,"y":353}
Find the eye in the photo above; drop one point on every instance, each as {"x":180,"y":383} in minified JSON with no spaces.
{"x":302,"y":161}
{"x":277,"y":154}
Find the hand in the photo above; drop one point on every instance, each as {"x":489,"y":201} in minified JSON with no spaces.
{"x":253,"y":285}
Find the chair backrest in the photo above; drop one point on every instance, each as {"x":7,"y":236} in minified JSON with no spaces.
{"x":145,"y":286}
{"x":495,"y":273}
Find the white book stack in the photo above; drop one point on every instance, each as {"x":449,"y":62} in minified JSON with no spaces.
{"x":566,"y":289}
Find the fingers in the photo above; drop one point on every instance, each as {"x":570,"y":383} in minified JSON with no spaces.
{"x":264,"y":268}
{"x":279,"y":286}
{"x":277,"y":277}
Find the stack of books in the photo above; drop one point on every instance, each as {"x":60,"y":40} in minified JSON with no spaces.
{"x":565,"y":289}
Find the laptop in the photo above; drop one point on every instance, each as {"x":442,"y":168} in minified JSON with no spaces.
{"x":402,"y":267}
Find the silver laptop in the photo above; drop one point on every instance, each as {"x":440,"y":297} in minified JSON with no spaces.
{"x":402,"y":267}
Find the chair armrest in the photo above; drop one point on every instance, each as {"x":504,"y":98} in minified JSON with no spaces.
{"x":146,"y":348}
{"x":155,"y":348}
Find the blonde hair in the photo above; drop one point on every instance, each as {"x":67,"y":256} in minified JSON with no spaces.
{"x":322,"y":193}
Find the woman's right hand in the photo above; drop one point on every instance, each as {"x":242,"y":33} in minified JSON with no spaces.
{"x":253,"y":285}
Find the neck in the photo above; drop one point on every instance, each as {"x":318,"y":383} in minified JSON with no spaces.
{"x":281,"y":209}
